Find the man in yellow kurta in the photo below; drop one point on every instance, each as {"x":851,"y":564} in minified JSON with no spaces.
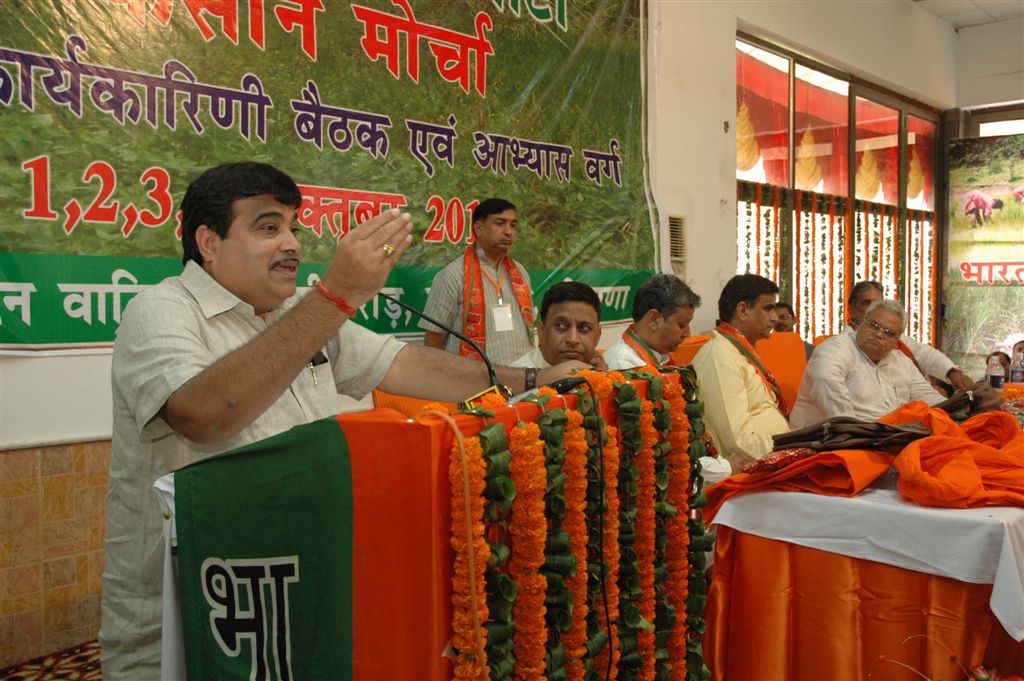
{"x":744,"y":406}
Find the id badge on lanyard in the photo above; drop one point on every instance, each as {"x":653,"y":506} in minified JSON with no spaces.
{"x":502,"y":317}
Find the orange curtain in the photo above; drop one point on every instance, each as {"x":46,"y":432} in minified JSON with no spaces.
{"x":781,"y":611}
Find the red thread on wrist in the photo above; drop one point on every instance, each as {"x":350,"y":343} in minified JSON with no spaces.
{"x":337,"y":300}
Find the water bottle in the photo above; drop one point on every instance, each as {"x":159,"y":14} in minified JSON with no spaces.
{"x":994,"y":373}
{"x":1017,"y":368}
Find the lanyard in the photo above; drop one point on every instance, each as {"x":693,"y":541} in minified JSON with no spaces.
{"x":496,"y":284}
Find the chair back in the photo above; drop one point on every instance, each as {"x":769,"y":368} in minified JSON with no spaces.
{"x":818,"y":340}
{"x":784,"y":355}
{"x":688,"y":349}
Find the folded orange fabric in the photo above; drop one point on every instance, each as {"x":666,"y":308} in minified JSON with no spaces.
{"x":841,"y":473}
{"x":984,"y":467}
{"x":979,"y":462}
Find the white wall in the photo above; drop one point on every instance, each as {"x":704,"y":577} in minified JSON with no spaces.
{"x":54,"y":399}
{"x":693,"y":99}
{"x":990,"y":64}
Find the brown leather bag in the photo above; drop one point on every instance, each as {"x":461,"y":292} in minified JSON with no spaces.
{"x":966,"y":402}
{"x":846,"y":432}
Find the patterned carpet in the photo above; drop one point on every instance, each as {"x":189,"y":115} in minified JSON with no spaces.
{"x":80,"y":663}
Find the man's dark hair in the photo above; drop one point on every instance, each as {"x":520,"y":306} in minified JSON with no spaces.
{"x":209,"y":198}
{"x":997,"y":203}
{"x":787,"y":307}
{"x":665,"y":293}
{"x":743,"y":288}
{"x":997,"y":353}
{"x":491,"y":207}
{"x":861,"y":288}
{"x":569,"y":291}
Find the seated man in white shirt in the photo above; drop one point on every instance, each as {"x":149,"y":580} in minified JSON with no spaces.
{"x":569,"y":327}
{"x":744,"y":406}
{"x":861,"y":374}
{"x":931,"y":362}
{"x":662,"y":311}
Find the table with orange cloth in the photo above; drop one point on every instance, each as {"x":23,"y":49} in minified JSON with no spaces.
{"x":814,"y":587}
{"x":823,"y":571}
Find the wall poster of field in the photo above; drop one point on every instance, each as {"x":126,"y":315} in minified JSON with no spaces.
{"x":109,"y":108}
{"x":985,"y":275}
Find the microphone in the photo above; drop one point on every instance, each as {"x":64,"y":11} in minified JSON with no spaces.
{"x":495,"y":383}
{"x":562,"y":385}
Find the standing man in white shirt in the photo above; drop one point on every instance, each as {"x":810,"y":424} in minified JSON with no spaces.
{"x":862,"y":374}
{"x":484,"y":293}
{"x":931,"y":362}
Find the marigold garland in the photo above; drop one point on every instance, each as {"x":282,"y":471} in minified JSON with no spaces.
{"x":435,"y":406}
{"x":644,"y":542}
{"x":547,"y":392}
{"x":610,"y":459}
{"x":492,"y":401}
{"x":575,"y":523}
{"x":1011,"y":393}
{"x":603,"y":382}
{"x":528,"y":532}
{"x":676,"y":583}
{"x":468,"y":632}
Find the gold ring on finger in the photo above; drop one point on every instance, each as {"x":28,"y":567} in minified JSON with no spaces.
{"x":388,"y":250}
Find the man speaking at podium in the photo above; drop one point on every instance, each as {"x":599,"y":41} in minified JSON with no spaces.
{"x":226,"y":354}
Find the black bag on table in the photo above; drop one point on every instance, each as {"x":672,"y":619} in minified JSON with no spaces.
{"x":846,"y":432}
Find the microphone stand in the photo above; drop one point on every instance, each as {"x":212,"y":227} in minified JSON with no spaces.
{"x":487,"y":362}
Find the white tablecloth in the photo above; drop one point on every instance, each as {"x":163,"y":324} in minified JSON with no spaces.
{"x":977,"y":545}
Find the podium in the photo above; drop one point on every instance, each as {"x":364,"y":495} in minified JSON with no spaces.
{"x":330,"y":550}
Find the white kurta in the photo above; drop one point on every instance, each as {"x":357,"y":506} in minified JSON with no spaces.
{"x":841,"y":380}
{"x":169,"y":334}
{"x":620,"y":357}
{"x":740,"y":413}
{"x":932,"y":361}
{"x":534,"y":358}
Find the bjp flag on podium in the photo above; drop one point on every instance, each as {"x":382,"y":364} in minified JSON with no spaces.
{"x":320,"y":553}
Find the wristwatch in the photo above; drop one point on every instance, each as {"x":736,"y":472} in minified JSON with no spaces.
{"x":530,"y":379}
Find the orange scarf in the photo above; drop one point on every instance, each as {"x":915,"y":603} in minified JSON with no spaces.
{"x":647,"y":355}
{"x":902,"y":347}
{"x":750,"y":354}
{"x":474,"y":312}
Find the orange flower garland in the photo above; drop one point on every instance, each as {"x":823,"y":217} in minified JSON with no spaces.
{"x":575,"y":523}
{"x":1011,"y":393}
{"x":644,"y":543}
{"x":468,"y":584}
{"x":603,"y":381}
{"x":528,"y":532}
{"x":547,"y":391}
{"x":491,"y":401}
{"x":610,"y":458}
{"x":676,"y":583}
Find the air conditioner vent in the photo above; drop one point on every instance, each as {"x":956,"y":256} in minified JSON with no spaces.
{"x":677,"y":244}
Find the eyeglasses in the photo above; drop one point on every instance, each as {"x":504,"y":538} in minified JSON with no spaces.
{"x":878,"y":328}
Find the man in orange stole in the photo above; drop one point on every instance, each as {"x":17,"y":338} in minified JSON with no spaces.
{"x":662,"y":311}
{"x":485,"y":294}
{"x":744,"y":406}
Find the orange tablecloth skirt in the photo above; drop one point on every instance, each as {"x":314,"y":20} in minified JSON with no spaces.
{"x":781,"y":611}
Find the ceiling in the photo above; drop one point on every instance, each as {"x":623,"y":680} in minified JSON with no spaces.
{"x":964,"y":13}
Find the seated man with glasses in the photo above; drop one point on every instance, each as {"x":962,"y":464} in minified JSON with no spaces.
{"x":861,"y":374}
